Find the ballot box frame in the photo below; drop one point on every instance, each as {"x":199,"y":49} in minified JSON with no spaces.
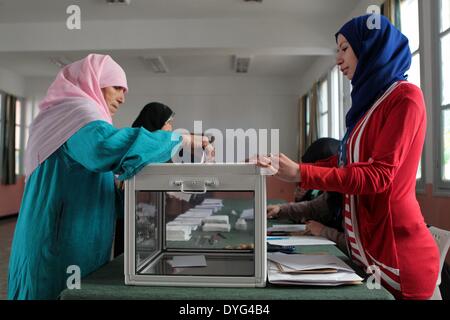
{"x":196,"y":178}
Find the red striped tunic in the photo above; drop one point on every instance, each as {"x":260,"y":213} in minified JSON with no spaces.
{"x":384,"y":226}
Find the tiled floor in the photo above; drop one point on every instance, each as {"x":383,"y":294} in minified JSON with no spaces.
{"x":7,"y":226}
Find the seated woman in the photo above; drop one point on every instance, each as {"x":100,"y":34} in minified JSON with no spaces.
{"x":156,"y":116}
{"x":321,"y":213}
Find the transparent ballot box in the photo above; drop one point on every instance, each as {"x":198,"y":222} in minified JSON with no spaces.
{"x":196,"y":225}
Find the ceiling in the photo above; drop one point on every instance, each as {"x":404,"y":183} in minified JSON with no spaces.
{"x":39,"y":64}
{"x":180,"y":62}
{"x":17,"y":11}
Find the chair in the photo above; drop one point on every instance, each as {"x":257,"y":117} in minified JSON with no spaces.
{"x":442,"y":238}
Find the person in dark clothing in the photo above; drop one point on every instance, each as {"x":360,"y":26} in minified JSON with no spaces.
{"x":320,"y":210}
{"x":155,"y":116}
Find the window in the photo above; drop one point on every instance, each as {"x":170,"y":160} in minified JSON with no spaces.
{"x":409,"y":25}
{"x":336,"y":104}
{"x":323,"y":109}
{"x":17,"y":150}
{"x":1,"y":128}
{"x":444,"y":90}
{"x":307,"y":115}
{"x":31,"y":111}
{"x":409,"y":17}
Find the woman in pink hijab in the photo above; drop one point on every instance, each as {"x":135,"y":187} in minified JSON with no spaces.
{"x":69,"y":205}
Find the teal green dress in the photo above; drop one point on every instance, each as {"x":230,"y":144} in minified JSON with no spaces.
{"x":68,"y":210}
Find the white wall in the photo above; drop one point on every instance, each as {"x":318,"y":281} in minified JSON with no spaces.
{"x":12,"y":83}
{"x":219,"y":102}
{"x":319,"y":68}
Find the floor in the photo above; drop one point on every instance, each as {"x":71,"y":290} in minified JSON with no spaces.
{"x":7,"y":226}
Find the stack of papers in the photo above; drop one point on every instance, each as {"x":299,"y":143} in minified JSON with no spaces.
{"x":222,"y":227}
{"x":213,"y":204}
{"x":287,"y":228}
{"x":213,"y":201}
{"x":248,"y":214}
{"x":193,"y":218}
{"x":180,"y":195}
{"x":223,"y":219}
{"x":217,"y":223}
{"x":197,"y":213}
{"x":178,"y":233}
{"x":316,"y":270}
{"x":192,"y":223}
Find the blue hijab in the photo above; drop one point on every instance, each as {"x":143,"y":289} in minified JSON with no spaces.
{"x":384,"y":57}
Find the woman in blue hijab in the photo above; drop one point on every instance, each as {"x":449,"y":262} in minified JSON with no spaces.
{"x":378,"y":160}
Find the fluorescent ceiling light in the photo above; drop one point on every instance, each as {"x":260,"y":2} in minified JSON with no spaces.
{"x":60,"y":62}
{"x":241,"y":64}
{"x":157,"y":63}
{"x":127,"y":2}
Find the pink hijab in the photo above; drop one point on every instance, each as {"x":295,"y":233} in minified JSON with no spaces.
{"x":73,"y":100}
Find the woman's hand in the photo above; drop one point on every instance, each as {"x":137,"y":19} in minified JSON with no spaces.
{"x":210,"y":153}
{"x":194,"y":141}
{"x":273,"y":211}
{"x":282,"y":167}
{"x":313,"y":227}
{"x":197,"y":144}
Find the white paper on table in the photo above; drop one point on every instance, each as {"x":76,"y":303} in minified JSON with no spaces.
{"x":316,"y":279}
{"x":304,"y":262}
{"x":287,"y":227}
{"x":299,"y":241}
{"x":188,"y":261}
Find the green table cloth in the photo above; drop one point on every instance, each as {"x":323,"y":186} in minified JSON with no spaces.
{"x":108,"y":283}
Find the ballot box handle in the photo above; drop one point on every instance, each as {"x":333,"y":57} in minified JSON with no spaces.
{"x":207,"y":183}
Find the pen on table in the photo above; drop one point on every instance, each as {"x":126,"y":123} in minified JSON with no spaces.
{"x":287,"y":233}
{"x":278,"y":233}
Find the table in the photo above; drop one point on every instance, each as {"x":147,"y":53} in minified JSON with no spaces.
{"x":108,"y":283}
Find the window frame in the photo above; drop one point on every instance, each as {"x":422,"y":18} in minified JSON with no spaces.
{"x":441,"y":186}
{"x":321,"y":114}
{"x":420,"y":183}
{"x":21,"y":149}
{"x":338,"y":107}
